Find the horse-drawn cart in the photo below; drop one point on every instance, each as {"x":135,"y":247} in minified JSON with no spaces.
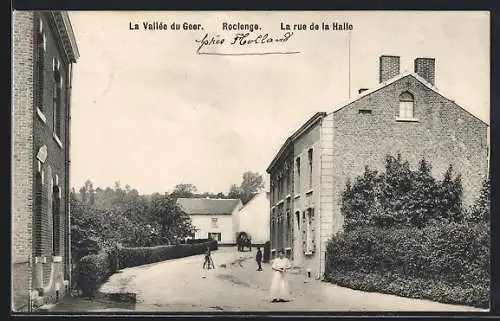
{"x":244,"y":240}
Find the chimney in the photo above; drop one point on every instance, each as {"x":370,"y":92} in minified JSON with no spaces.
{"x":425,"y":68}
{"x":389,"y":67}
{"x":361,"y":90}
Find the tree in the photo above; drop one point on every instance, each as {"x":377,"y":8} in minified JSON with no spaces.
{"x":252,"y":183}
{"x":480,"y":210}
{"x":395,"y":186}
{"x":358,"y":200}
{"x":234,"y":191}
{"x":423,"y":201}
{"x":399,"y":197}
{"x":173,"y":223}
{"x":184,"y":191}
{"x":450,"y":196}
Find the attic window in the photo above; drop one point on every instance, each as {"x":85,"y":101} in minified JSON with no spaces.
{"x":365,"y":111}
{"x":406,"y":105}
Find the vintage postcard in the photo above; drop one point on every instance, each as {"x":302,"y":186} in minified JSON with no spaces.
{"x":250,"y":161}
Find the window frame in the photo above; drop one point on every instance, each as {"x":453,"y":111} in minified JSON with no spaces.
{"x":41,"y":52}
{"x":406,"y":106}
{"x":57,"y":95}
{"x":56,"y":220}
{"x":214,"y":222}
{"x":310,"y":160}
{"x":297,"y":166}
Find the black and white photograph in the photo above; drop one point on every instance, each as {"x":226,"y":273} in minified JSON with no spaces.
{"x":250,"y":161}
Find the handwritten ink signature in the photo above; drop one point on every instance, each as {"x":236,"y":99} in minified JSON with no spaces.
{"x":240,"y":39}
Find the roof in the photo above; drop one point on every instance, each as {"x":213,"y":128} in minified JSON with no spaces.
{"x":294,"y":136}
{"x":208,"y":205}
{"x":365,"y":93}
{"x":254,"y":196}
{"x":65,"y":30}
{"x":393,"y":80}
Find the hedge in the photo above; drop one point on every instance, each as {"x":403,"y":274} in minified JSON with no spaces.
{"x":134,"y":256}
{"x":449,"y":263}
{"x":197,"y":241}
{"x":93,"y":270}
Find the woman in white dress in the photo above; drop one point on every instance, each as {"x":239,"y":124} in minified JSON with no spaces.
{"x":279,"y":284}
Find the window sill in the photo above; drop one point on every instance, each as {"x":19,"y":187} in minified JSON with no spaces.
{"x":288,"y":196}
{"x":41,"y":115}
{"x":410,"y":120}
{"x":309,"y":191}
{"x":296,"y":196}
{"x":56,"y":259}
{"x":308,"y":253}
{"x":57,"y":140}
{"x":41,"y":259}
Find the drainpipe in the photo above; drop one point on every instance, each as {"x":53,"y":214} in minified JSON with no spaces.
{"x":30,"y":281}
{"x":68,"y":225}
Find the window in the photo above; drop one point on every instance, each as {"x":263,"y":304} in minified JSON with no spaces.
{"x":41,"y":44}
{"x":215,"y":236}
{"x":365,"y":111}
{"x":285,"y":188}
{"x":57,"y":97}
{"x":56,"y":220}
{"x":406,"y":105}
{"x":310,"y":231}
{"x":297,"y":166}
{"x":214,"y":222}
{"x":288,"y":230}
{"x":297,"y":217}
{"x":37,"y":224}
{"x":310,"y":157}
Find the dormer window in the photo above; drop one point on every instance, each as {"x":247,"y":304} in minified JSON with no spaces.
{"x":406,"y":106}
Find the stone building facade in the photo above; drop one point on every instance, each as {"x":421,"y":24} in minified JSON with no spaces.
{"x":404,"y":114}
{"x":43,"y":53}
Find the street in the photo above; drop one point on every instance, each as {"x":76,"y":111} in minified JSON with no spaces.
{"x":181,"y":285}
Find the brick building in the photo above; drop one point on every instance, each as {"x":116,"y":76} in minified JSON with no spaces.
{"x":43,"y":52}
{"x":404,"y":114}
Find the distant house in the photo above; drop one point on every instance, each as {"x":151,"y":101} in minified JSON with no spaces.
{"x":213,"y":218}
{"x":254,"y":218}
{"x":405,"y":113}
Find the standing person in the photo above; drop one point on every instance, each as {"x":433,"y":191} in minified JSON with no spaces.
{"x":279,"y":284}
{"x":258,"y":258}
{"x":208,"y":259}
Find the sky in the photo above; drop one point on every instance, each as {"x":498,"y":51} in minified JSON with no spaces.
{"x":150,"y":112}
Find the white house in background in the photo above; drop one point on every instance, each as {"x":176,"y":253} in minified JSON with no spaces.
{"x":213,"y":218}
{"x":254,"y":218}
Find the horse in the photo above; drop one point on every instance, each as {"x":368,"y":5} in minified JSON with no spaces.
{"x":244,"y":241}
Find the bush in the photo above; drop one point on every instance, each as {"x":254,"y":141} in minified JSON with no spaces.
{"x":197,"y":241}
{"x":93,"y":270}
{"x":400,"y":196}
{"x":134,"y":256}
{"x":444,"y":262}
